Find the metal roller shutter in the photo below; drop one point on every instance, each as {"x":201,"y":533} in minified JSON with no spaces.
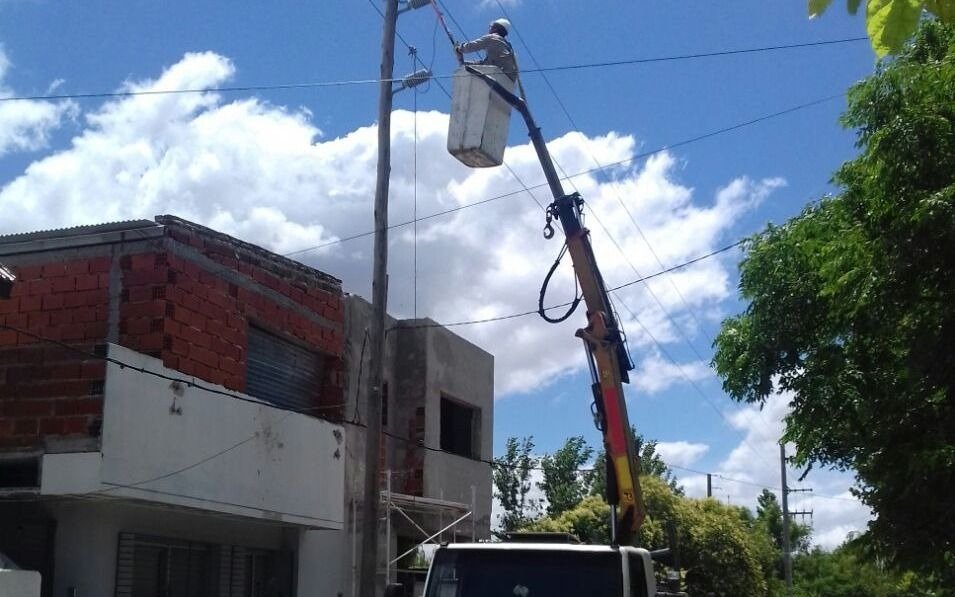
{"x":281,"y":372}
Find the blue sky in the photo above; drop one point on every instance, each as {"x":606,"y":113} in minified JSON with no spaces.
{"x":292,"y":168}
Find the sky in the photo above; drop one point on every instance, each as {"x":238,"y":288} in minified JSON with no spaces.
{"x":666,"y":154}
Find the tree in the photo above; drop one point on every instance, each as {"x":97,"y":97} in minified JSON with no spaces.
{"x":588,"y":520}
{"x":850,"y":309}
{"x":769,"y":516}
{"x":650,"y":464}
{"x":564,"y":485}
{"x":719,"y":554}
{"x":512,"y":482}
{"x":718,"y":550}
{"x":849,"y":572}
{"x":891,"y":22}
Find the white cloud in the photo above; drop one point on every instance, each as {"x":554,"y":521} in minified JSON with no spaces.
{"x":265,"y":173}
{"x":754,"y":464}
{"x":681,"y":453}
{"x":26,"y":125}
{"x":654,"y":373}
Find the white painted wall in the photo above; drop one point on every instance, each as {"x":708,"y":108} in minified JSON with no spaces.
{"x":320,"y":558}
{"x":190,"y":447}
{"x":87,"y":535}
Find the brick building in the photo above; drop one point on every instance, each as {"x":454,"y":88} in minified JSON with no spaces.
{"x":170,"y":409}
{"x":180,"y":414}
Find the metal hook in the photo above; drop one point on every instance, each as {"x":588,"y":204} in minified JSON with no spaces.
{"x":548,"y":230}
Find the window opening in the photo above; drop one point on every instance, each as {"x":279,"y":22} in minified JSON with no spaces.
{"x":458,"y":428}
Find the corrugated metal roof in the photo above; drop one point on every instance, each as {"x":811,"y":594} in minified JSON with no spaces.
{"x":76,"y":231}
{"x":18,"y":242}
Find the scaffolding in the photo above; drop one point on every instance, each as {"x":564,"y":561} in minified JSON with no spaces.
{"x":422,"y":515}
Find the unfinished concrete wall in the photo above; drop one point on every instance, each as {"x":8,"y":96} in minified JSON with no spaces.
{"x":422,"y":363}
{"x":464,"y":373}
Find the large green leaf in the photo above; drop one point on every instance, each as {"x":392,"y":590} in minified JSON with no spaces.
{"x":817,"y":7}
{"x":943,"y":9}
{"x":890,"y":23}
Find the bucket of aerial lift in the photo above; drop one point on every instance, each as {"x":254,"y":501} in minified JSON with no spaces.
{"x":480,"y":118}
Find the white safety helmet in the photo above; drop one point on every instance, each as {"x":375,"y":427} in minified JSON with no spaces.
{"x":503,"y":24}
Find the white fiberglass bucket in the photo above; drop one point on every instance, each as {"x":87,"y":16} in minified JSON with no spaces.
{"x":480,"y":118}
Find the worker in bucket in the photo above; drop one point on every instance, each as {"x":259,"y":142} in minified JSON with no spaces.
{"x":498,"y":50}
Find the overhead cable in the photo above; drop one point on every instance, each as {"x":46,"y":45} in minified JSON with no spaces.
{"x":290,"y":411}
{"x":624,"y":162}
{"x":374,"y":81}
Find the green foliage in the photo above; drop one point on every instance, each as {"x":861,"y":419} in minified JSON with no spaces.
{"x":512,"y":482}
{"x":846,"y":572}
{"x":890,"y":23}
{"x":589,"y":520}
{"x":718,"y":550}
{"x":850,"y":309}
{"x":769,"y":517}
{"x":563,"y":483}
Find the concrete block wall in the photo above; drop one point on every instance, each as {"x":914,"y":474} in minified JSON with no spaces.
{"x":187,"y":298}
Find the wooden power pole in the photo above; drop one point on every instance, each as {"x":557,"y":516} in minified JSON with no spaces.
{"x":787,"y":551}
{"x":368,"y":576}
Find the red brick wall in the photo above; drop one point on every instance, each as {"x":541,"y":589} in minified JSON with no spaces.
{"x":46,"y":389}
{"x":208,"y":320}
{"x":170,"y":307}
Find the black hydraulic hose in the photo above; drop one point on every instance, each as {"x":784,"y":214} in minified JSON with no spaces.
{"x":543,"y":293}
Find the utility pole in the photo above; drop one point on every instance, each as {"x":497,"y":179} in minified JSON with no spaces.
{"x":710,"y":488}
{"x":787,"y":553}
{"x":368,"y":577}
{"x":787,"y":517}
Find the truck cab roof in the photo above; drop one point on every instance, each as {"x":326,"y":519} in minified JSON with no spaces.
{"x":530,"y":569}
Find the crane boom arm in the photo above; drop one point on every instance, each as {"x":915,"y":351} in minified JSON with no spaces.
{"x":606,"y":354}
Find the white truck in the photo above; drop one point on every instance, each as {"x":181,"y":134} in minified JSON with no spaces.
{"x":542,"y":565}
{"x":540,"y":570}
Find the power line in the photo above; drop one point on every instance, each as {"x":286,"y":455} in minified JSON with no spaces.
{"x":448,"y":94}
{"x":354,"y":82}
{"x":626,"y":258}
{"x":699,"y":55}
{"x":624,"y":162}
{"x":590,"y":469}
{"x":289,"y":412}
{"x":723,"y":477}
{"x":558,"y":306}
{"x":624,"y":254}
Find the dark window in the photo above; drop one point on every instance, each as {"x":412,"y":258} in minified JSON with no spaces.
{"x":27,"y":538}
{"x":638,"y":577}
{"x":281,"y":372}
{"x":458,"y":428}
{"x":464,"y":573}
{"x":18,"y":472}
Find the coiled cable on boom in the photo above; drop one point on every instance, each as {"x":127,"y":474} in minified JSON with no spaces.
{"x":540,"y":300}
